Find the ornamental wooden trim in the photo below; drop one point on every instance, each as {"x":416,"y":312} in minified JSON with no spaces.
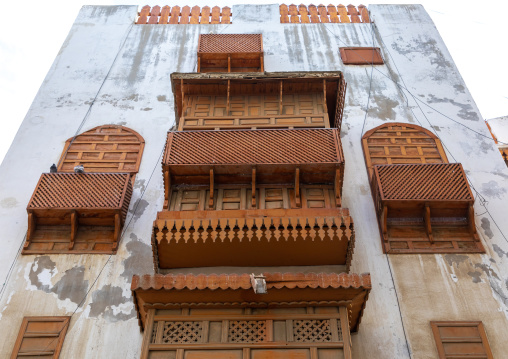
{"x":77,"y":213}
{"x":504,"y":154}
{"x":246,"y":332}
{"x":425,"y":208}
{"x":361,"y":55}
{"x":461,"y":339}
{"x":108,"y":148}
{"x":258,"y":100}
{"x":230,"y":53}
{"x":324,"y":238}
{"x":401,"y":143}
{"x":185,"y":15}
{"x":40,"y":336}
{"x":284,"y":290}
{"x":323,"y":14}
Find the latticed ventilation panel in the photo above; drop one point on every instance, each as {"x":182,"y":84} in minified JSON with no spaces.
{"x":399,"y":143}
{"x":247,"y":331}
{"x":83,"y":190}
{"x":228,"y":43}
{"x":323,"y":14}
{"x":312,"y":331}
{"x":104,"y":149}
{"x":182,"y":332}
{"x":423,"y":182}
{"x":257,"y":146}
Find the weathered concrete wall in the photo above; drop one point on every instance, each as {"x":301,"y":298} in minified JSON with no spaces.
{"x":137,"y":94}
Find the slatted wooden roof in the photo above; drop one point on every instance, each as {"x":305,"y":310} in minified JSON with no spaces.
{"x":401,"y":143}
{"x":228,"y":43}
{"x":446,"y":182}
{"x":108,"y":148}
{"x":235,"y":291}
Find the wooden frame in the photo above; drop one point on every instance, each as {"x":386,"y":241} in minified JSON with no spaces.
{"x":42,"y":341}
{"x":361,"y":55}
{"x":464,"y":339}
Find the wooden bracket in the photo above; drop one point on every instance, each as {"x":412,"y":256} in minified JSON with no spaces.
{"x":472,"y":225}
{"x":199,"y":63}
{"x":229,"y":63}
{"x":74,"y":228}
{"x":280,"y":99}
{"x":31,"y":229}
{"x":167,"y":189}
{"x":428,"y":227}
{"x":325,"y":107}
{"x":183,"y":98}
{"x":384,"y":223}
{"x":116,"y":235}
{"x":210,"y":200}
{"x":337,"y":185}
{"x":253,"y":201}
{"x":227,"y":97}
{"x":297,"y":187}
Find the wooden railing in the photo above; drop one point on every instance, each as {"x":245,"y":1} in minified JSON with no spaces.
{"x":323,"y":14}
{"x":185,"y":15}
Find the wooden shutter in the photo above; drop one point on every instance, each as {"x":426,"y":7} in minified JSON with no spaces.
{"x":461,"y":340}
{"x":40,"y":337}
{"x":361,"y":56}
{"x":401,"y":143}
{"x":107,"y":148}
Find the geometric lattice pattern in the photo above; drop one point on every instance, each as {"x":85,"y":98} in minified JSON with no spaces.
{"x":182,"y":332}
{"x":323,"y":14}
{"x":108,"y":148}
{"x":445,"y":181}
{"x":83,"y":190}
{"x":247,"y":331}
{"x":312,"y":330}
{"x":258,"y":146}
{"x":228,"y":43}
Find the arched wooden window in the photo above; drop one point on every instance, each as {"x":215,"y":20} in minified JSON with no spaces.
{"x":108,"y":148}
{"x":401,"y":143}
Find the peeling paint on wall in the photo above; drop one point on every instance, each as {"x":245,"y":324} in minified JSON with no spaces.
{"x":109,"y":303}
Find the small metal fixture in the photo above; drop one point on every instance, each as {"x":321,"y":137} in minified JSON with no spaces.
{"x":79,"y":169}
{"x":52,"y":169}
{"x":258,"y":283}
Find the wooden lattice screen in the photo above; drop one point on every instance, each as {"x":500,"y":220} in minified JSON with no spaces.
{"x":108,"y":148}
{"x":323,"y":14}
{"x":185,"y":15}
{"x":401,"y":143}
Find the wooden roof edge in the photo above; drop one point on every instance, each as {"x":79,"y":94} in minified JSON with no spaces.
{"x":255,"y":75}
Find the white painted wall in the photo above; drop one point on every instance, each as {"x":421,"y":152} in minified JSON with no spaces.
{"x":126,"y":68}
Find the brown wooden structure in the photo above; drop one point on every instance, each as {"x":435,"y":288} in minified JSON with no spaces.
{"x":220,"y":316}
{"x":184,"y":15}
{"x":361,"y":56}
{"x":77,"y":213}
{"x":424,"y":204}
{"x":230,"y":53}
{"x":457,"y":339}
{"x":323,"y":14}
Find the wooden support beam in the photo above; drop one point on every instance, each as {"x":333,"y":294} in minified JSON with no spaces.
{"x":31,"y":229}
{"x":167,"y":189}
{"x":280,"y":99}
{"x":325,"y":108}
{"x":210,"y":201}
{"x":297,"y":187}
{"x":384,"y":223}
{"x":118,"y":230}
{"x":199,"y":63}
{"x":426,"y":218}
{"x":229,"y":63}
{"x":471,"y":222}
{"x":338,"y":185}
{"x":346,"y":335}
{"x":183,"y":98}
{"x":228,"y":94}
{"x":253,"y":204}
{"x":147,"y":334}
{"x":74,"y":228}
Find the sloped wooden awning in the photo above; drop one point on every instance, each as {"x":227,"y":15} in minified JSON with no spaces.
{"x":254,"y":238}
{"x":235,"y":291}
{"x":425,"y":208}
{"x":77,"y":201}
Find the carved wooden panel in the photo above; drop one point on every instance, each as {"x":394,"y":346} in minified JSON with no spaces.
{"x":245,"y":334}
{"x":108,"y":148}
{"x":263,"y":111}
{"x":457,"y":339}
{"x":195,"y":198}
{"x":40,"y":337}
{"x":401,"y":143}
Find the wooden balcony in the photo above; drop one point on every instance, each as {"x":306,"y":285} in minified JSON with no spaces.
{"x":257,"y":238}
{"x":77,"y":213}
{"x":425,"y":208}
{"x":214,"y":101}
{"x":310,"y":156}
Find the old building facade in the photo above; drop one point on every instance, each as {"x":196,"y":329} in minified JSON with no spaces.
{"x":260,"y":181}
